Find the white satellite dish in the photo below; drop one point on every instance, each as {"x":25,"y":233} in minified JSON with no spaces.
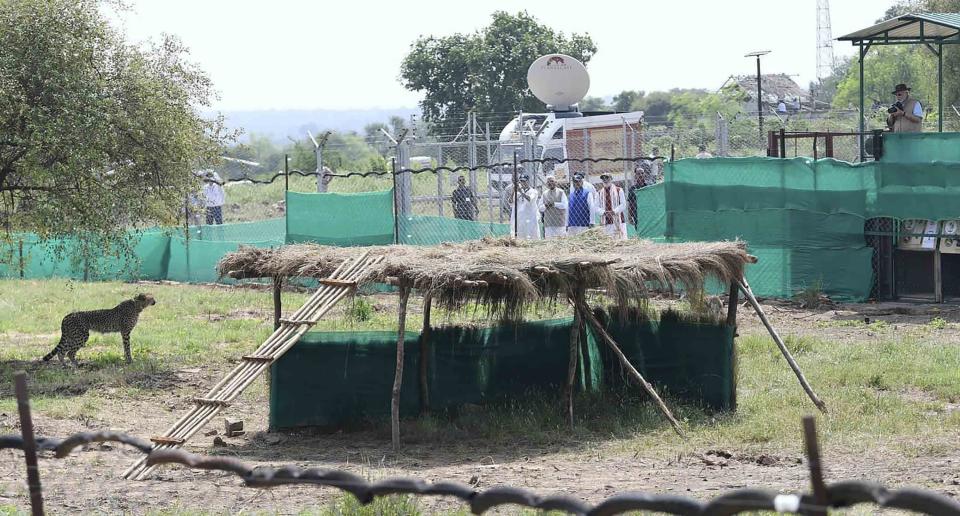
{"x":558,"y":80}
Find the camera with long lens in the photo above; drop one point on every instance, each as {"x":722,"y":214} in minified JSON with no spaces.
{"x":895,"y":107}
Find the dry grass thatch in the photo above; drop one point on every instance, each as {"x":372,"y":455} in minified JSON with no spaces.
{"x":505,"y":275}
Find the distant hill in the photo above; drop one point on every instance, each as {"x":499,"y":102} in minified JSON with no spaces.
{"x":280,"y":123}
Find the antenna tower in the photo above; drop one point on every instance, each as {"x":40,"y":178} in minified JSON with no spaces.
{"x":825,"y":61}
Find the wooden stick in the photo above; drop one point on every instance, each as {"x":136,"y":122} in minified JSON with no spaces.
{"x":816,"y":470}
{"x":277,"y":304}
{"x":585,"y":312}
{"x":732,"y":305}
{"x":575,"y":330}
{"x":398,"y":375}
{"x":745,"y":287}
{"x":29,"y":443}
{"x":424,"y":354}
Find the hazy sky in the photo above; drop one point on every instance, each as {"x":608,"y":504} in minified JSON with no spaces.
{"x":346,"y":54}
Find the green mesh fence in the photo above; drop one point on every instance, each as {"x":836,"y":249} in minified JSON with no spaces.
{"x":651,"y":212}
{"x":431,"y":230}
{"x":270,"y":230}
{"x":64,"y":258}
{"x":921,"y":147}
{"x":804,"y":219}
{"x":330,"y":379}
{"x":344,"y":219}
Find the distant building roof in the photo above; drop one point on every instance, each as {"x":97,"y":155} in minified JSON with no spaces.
{"x":774,"y":87}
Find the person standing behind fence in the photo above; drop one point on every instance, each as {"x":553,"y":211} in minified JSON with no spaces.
{"x":906,"y":114}
{"x":525,"y":216}
{"x":612,"y":206}
{"x":464,"y":201}
{"x":214,"y":197}
{"x":553,"y":206}
{"x":702,"y":152}
{"x":581,"y":206}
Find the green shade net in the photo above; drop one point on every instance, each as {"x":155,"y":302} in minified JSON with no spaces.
{"x":921,"y":147}
{"x":330,"y":379}
{"x":803,"y":219}
{"x":342,"y":219}
{"x":270,"y":230}
{"x":195,"y":261}
{"x":432,"y":230}
{"x":65,"y":258}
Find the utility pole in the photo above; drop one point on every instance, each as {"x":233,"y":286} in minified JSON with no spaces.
{"x":757,"y":54}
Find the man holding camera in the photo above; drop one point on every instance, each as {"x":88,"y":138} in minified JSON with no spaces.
{"x":906,"y":114}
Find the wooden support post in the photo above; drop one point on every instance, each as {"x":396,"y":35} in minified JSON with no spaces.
{"x":424,"y":356}
{"x":29,"y":443}
{"x":745,"y":287}
{"x":732,"y":306}
{"x":398,"y":375}
{"x":937,"y":272}
{"x":575,"y":331}
{"x":277,"y":305}
{"x":584,"y":309}
{"x":816,"y":470}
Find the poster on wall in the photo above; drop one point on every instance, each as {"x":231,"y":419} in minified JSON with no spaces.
{"x":950,"y":242}
{"x":931,"y":228}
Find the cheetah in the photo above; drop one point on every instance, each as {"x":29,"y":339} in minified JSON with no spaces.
{"x":76,"y":327}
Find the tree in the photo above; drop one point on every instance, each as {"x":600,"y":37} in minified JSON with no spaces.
{"x":485,"y":71}
{"x":96,"y":135}
{"x":626,"y":99}
{"x":594,"y":104}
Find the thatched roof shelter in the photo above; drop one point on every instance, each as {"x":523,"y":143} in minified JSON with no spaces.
{"x":505,"y":275}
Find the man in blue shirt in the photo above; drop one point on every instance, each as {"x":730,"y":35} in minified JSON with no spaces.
{"x":581,"y":206}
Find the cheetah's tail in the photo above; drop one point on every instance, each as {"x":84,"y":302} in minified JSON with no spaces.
{"x":53,"y":353}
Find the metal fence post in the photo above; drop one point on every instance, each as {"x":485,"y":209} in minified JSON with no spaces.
{"x":472,"y":148}
{"x":404,"y":179}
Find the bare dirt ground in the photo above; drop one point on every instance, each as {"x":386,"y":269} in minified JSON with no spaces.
{"x":89,"y":480}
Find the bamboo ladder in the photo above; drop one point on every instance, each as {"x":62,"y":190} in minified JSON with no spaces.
{"x":331,"y":291}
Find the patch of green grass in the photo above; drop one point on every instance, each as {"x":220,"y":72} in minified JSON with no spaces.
{"x":937,"y":323}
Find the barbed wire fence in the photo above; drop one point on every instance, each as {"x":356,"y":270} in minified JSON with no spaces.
{"x":456,"y":183}
{"x":821,"y":498}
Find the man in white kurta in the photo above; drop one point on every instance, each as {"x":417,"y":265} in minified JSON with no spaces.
{"x":525,"y":216}
{"x":611,"y":205}
{"x":553,"y":206}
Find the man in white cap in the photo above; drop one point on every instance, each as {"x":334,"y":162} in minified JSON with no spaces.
{"x":612,"y":204}
{"x":525,"y":215}
{"x":553,"y":206}
{"x":581,"y":205}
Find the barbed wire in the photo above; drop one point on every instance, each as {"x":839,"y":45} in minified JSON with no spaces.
{"x":838,"y":495}
{"x":444,"y":168}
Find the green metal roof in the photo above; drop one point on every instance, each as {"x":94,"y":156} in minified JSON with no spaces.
{"x":935,"y":28}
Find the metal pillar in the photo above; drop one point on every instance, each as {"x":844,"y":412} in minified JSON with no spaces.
{"x":863,"y":53}
{"x":759,"y":99}
{"x":940,"y":88}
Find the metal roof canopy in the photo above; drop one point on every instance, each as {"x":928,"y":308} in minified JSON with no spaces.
{"x":910,"y":29}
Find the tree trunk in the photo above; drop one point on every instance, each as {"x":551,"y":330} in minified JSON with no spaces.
{"x":575,"y":331}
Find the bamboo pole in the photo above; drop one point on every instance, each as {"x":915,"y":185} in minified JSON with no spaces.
{"x":584,"y":309}
{"x":398,"y":375}
{"x":745,"y":287}
{"x":575,"y":331}
{"x":425,"y":335}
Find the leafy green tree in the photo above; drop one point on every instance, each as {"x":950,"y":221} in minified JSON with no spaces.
{"x":96,"y":135}
{"x":485,"y":71}
{"x":626,"y":99}
{"x":594,"y":104}
{"x":655,"y":104}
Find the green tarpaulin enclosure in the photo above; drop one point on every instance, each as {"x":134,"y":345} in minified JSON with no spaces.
{"x":332,"y":379}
